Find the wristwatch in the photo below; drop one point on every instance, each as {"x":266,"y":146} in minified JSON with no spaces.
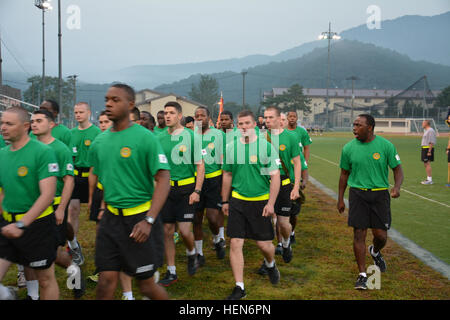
{"x":20,"y":225}
{"x":197,"y":191}
{"x":150,"y":220}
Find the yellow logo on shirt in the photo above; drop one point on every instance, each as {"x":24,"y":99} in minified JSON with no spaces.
{"x":376,"y":156}
{"x":282,"y":147}
{"x":211,"y":145}
{"x":253,"y":159}
{"x":23,"y":171}
{"x":183,"y":148}
{"x":87,"y":143}
{"x":125,"y":152}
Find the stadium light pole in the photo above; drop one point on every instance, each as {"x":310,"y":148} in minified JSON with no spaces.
{"x":329,"y":35}
{"x":353,"y":78}
{"x":43,"y":5}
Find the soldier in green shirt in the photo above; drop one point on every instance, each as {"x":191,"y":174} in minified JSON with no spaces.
{"x":365,"y":163}
{"x":251,"y":168}
{"x":290,"y":154}
{"x":2,"y":142}
{"x":161,"y":123}
{"x":42,"y":123}
{"x":212,"y":149}
{"x":83,"y":136}
{"x":28,"y":174}
{"x":187,"y":172}
{"x":134,"y":171}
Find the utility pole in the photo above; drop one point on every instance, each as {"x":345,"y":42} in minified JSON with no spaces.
{"x":244,"y":73}
{"x":424,"y":93}
{"x":1,"y":72}
{"x":74,"y":79}
{"x":60,"y":62}
{"x":353,"y":78}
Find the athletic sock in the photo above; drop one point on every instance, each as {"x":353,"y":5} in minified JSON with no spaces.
{"x":216,"y":238}
{"x":128,"y":295}
{"x":222,"y":233}
{"x":293,"y":233}
{"x":73,"y":244}
{"x":172,"y":269}
{"x":363,"y":274}
{"x":190,"y":253}
{"x":286,"y":242}
{"x":271,"y":264}
{"x":240,"y":284}
{"x":5,"y":293}
{"x":20,"y":268}
{"x":33,"y":289}
{"x":429,"y":178}
{"x":198,"y":247}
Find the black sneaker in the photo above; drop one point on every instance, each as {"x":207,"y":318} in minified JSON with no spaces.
{"x":78,"y":293}
{"x":168,"y":279}
{"x":292,"y":239}
{"x":220,"y":249}
{"x":361,"y":283}
{"x":279,"y":249}
{"x":379,"y":261}
{"x":192,"y":264}
{"x":274,"y":274}
{"x":263,"y":269}
{"x":77,"y":255}
{"x":287,"y":254}
{"x":237,"y":294}
{"x":201,"y":260}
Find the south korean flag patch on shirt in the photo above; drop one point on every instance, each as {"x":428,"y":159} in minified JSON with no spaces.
{"x":162,"y":158}
{"x":53,"y":167}
{"x":69,"y":167}
{"x":204,"y":152}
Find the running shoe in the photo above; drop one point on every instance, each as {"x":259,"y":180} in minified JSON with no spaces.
{"x":21,"y":280}
{"x":237,"y":294}
{"x":274,"y":274}
{"x":192,"y":264}
{"x":201,"y":260}
{"x":220,"y":249}
{"x":361,"y":283}
{"x":427,"y":182}
{"x":263,"y":269}
{"x":77,"y":255}
{"x":379,"y":261}
{"x":287,"y":254}
{"x":292,"y":240}
{"x":168,"y":279}
{"x":279,"y":249}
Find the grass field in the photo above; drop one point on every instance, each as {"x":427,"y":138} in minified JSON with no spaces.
{"x":323,"y":267}
{"x":425,"y":222}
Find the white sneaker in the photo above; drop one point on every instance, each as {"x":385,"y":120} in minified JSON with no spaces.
{"x":21,"y":280}
{"x":427,"y":182}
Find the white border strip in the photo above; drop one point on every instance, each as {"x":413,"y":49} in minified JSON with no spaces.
{"x":425,"y":256}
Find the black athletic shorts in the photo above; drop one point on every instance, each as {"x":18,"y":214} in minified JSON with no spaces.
{"x":62,"y":228}
{"x":448,"y":157}
{"x":210,"y":196}
{"x":81,"y":189}
{"x":295,"y":208}
{"x":283,"y":204}
{"x":116,"y":251}
{"x":369,"y":209}
{"x":424,"y":155}
{"x":97,"y":198}
{"x":177,"y":207}
{"x":245,"y":221}
{"x":36,"y":248}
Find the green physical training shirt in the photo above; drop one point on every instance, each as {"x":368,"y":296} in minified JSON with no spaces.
{"x":250,"y":165}
{"x":60,"y":132}
{"x":288,"y":148}
{"x":179,"y":150}
{"x":126,"y":162}
{"x":303,"y":137}
{"x":2,"y":142}
{"x":80,"y":144}
{"x":213,"y":148}
{"x":157,"y":130}
{"x":21,"y":171}
{"x":369,"y":163}
{"x":65,"y":163}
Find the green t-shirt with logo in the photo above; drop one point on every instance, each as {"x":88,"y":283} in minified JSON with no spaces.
{"x":213,"y":148}
{"x":21,"y":171}
{"x":80,"y":144}
{"x":65,"y":163}
{"x":250,"y":165}
{"x":180,"y":151}
{"x":303,"y":137}
{"x":369,"y":163}
{"x":288,"y":148}
{"x":157,"y":130}
{"x":126,"y":162}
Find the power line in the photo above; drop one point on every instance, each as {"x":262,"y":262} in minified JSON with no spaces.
{"x":10,"y":52}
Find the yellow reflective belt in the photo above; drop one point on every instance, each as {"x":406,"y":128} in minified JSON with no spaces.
{"x":425,"y":147}
{"x":376,"y":189}
{"x":131,"y":211}
{"x":236,"y":195}
{"x":213,"y":174}
{"x":83,"y":174}
{"x":182,"y":182}
{"x":9,"y":217}
{"x":56,"y":201}
{"x":99,"y":185}
{"x":285,"y":182}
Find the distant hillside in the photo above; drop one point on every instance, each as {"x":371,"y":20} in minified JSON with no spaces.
{"x":376,"y":67}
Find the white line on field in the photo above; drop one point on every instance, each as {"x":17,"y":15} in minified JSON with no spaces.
{"x":425,"y":256}
{"x":402,"y":189}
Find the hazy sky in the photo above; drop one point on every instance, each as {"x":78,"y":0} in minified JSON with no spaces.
{"x":115,"y":34}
